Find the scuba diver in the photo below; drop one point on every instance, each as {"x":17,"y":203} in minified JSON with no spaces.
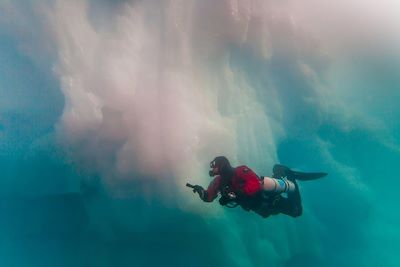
{"x":264,"y":195}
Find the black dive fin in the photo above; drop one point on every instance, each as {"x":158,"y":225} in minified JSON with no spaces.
{"x":280,"y":171}
{"x":306,"y":176}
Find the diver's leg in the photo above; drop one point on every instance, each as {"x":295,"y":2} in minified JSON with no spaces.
{"x":291,"y":205}
{"x":263,"y":210}
{"x":294,"y":199}
{"x":259,"y":204}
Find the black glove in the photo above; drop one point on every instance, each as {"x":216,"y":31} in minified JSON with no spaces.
{"x":223,"y":201}
{"x":200,"y":190}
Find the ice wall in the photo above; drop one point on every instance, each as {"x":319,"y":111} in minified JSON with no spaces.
{"x":124,"y":100}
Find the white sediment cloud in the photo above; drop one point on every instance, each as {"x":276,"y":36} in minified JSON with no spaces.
{"x":150,"y":87}
{"x":152,"y":92}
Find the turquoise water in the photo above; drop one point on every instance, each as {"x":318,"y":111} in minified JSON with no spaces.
{"x":107,"y":109}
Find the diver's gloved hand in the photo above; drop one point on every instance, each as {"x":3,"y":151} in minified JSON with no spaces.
{"x":226,"y":198}
{"x":197,"y":188}
{"x":200,"y":190}
{"x":223,"y":201}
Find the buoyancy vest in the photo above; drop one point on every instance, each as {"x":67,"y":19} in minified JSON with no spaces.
{"x":245,"y":181}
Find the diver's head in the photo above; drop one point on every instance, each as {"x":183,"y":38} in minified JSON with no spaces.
{"x":220,"y":166}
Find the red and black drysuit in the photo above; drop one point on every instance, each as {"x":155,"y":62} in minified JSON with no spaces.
{"x":247,"y":187}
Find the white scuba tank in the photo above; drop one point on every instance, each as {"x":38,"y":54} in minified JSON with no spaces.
{"x":272,"y":185}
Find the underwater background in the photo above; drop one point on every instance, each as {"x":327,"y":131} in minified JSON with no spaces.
{"x":107,"y":109}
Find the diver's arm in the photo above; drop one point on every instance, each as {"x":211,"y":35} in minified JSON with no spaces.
{"x":205,"y":195}
{"x":212,"y":190}
{"x":200,"y":190}
{"x":211,"y":193}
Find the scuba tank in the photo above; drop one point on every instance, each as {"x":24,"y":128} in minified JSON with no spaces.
{"x":277,"y":186}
